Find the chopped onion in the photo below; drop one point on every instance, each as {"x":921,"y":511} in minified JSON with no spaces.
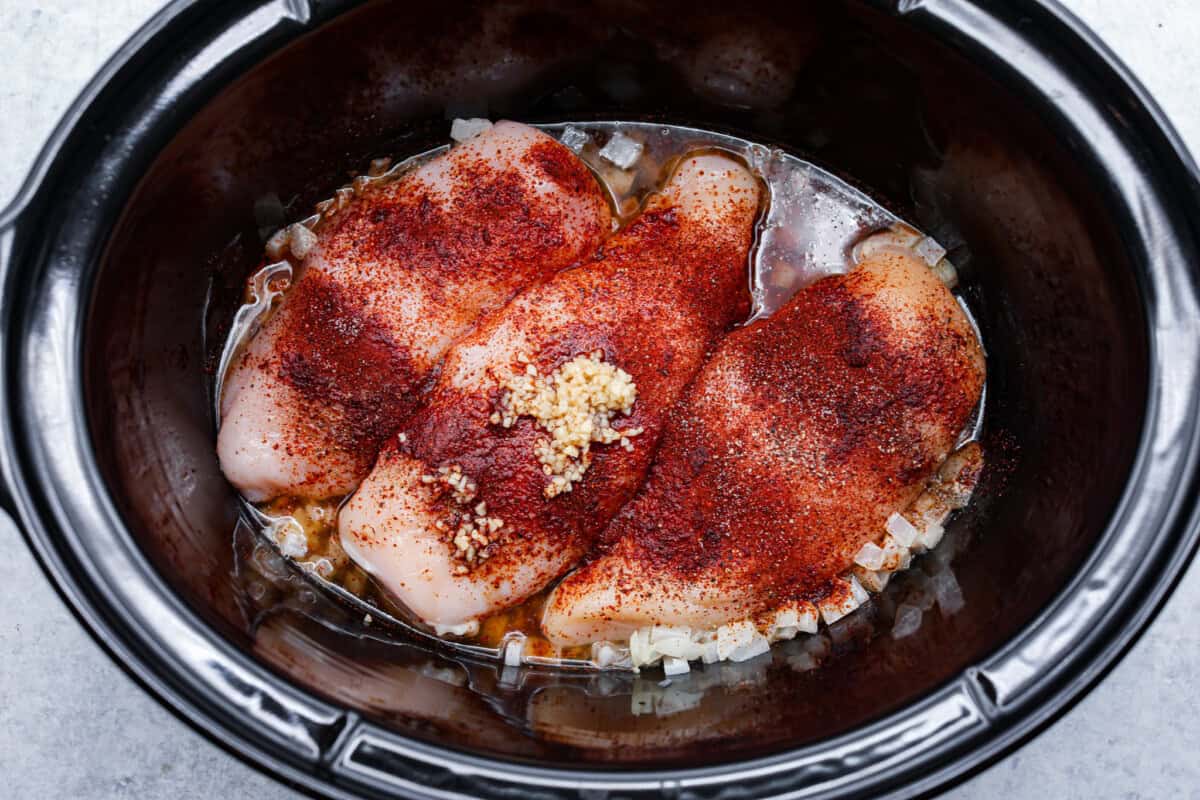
{"x":895,"y":555}
{"x":832,"y":612}
{"x":468,"y":628}
{"x":289,"y":537}
{"x":322,"y":566}
{"x":929,"y":250}
{"x":808,"y":618}
{"x":661,"y":633}
{"x":791,"y":620}
{"x":301,"y":240}
{"x":463,"y":129}
{"x":756,"y":647}
{"x":845,"y":598}
{"x":946,"y":273}
{"x":902,"y":530}
{"x":675,"y":666}
{"x":857,"y":592}
{"x":870,"y":556}
{"x":379,"y":166}
{"x":621,"y":151}
{"x":604,"y":654}
{"x":513,"y":651}
{"x":786,"y":618}
{"x":783,"y":633}
{"x":675,"y":642}
{"x":574,"y":139}
{"x":293,"y":545}
{"x":641,"y":650}
{"x":874,"y":581}
{"x":899,"y":235}
{"x":932,"y":535}
{"x":734,"y":636}
{"x":277,"y":245}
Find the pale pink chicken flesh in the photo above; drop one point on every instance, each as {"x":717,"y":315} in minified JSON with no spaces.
{"x":652,"y":303}
{"x":395,"y":276}
{"x":790,"y":450}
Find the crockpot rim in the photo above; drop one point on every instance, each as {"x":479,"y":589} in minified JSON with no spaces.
{"x":1001,"y":738}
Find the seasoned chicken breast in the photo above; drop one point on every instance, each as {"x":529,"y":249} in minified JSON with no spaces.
{"x":790,"y":450}
{"x":392,"y":279}
{"x":543,"y":421}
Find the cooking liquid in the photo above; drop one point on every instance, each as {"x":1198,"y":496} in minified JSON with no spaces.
{"x":811,"y":228}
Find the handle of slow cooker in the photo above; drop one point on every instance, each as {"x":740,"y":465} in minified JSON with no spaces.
{"x":1193,"y":177}
{"x":10,"y":217}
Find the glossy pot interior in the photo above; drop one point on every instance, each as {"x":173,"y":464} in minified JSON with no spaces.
{"x":950,"y":143}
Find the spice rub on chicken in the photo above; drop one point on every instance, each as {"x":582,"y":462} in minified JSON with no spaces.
{"x":543,"y":421}
{"x":396,"y":273}
{"x":792,"y":448}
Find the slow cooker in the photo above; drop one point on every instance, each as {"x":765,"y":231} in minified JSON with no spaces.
{"x":1004,"y":128}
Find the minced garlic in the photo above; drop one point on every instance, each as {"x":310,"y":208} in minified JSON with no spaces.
{"x":575,"y":404}
{"x":472,"y":532}
{"x":474,"y":538}
{"x":452,"y":476}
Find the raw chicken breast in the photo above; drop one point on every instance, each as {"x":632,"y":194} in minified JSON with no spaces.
{"x":395,"y":276}
{"x":791,"y":449}
{"x":640,"y":318}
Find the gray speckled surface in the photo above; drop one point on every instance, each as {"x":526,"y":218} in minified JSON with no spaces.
{"x":73,"y":725}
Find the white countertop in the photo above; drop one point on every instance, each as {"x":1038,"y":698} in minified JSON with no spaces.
{"x":73,"y":725}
